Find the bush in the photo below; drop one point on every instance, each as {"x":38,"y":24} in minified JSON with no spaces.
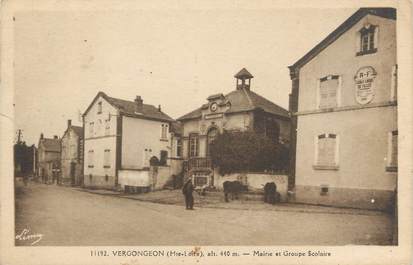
{"x":247,"y":151}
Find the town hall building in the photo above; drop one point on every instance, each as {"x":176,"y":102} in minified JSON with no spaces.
{"x":344,"y":115}
{"x":242,"y":109}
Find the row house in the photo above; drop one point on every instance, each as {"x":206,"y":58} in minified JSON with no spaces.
{"x":72,"y":155}
{"x":344,"y":114}
{"x":49,"y":159}
{"x":241,"y":109}
{"x":121,"y":138}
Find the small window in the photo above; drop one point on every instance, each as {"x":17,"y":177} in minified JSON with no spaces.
{"x":324,"y":190}
{"x":73,"y":151}
{"x":179,"y":147}
{"x":368,"y":40}
{"x":99,"y":127}
{"x":106,"y":159}
{"x":328,"y":92}
{"x":147,"y":154}
{"x":99,"y":107}
{"x":91,"y":128}
{"x":164,"y":131}
{"x":326,"y":150}
{"x":90,"y":177}
{"x":90,"y":158}
{"x":393,"y":91}
{"x":107,"y":127}
{"x":392,"y":152}
{"x":106,"y":178}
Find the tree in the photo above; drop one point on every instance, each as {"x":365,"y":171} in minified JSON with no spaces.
{"x":247,"y":151}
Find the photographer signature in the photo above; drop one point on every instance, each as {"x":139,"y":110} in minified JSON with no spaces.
{"x":24,"y":236}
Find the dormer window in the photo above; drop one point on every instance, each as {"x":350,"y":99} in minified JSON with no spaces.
{"x":368,"y":40}
{"x":99,"y":107}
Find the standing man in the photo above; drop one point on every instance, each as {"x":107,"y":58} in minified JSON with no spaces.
{"x":187,"y":191}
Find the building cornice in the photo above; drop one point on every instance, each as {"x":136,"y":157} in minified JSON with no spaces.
{"x":100,"y":137}
{"x":346,"y":108}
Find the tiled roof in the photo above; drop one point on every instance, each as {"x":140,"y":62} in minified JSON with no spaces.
{"x":242,"y":100}
{"x":192,"y":115}
{"x":389,"y":13}
{"x":78,"y":130}
{"x":52,"y":145}
{"x":129,"y":108}
{"x":176,"y":127}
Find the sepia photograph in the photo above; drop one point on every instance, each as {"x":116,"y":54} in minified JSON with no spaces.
{"x":206,"y":127}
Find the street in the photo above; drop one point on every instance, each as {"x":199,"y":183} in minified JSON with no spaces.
{"x":68,"y":217}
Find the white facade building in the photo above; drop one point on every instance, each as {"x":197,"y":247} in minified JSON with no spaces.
{"x":120,"y":139}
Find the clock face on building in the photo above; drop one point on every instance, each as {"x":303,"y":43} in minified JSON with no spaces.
{"x":213,"y":107}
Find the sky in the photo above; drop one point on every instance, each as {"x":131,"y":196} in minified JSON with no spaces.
{"x":175,"y":58}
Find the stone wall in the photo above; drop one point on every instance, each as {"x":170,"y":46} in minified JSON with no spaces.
{"x":255,"y":181}
{"x":99,"y":181}
{"x":134,"y":178}
{"x":160,"y":176}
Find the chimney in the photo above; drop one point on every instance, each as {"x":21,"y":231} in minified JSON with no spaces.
{"x":69,"y":123}
{"x":139,"y":103}
{"x":55,"y":137}
{"x":159,"y":108}
{"x":41,"y":136}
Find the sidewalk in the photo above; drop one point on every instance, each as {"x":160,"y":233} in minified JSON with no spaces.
{"x":216,"y":200}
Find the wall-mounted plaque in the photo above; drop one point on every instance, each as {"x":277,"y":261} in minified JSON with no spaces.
{"x":364,"y":79}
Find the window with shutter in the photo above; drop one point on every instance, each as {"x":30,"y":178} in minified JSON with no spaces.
{"x":328,"y":91}
{"x":164,"y":131}
{"x":91,"y":129}
{"x":326,"y":151}
{"x":393,"y":91}
{"x":106,"y":159}
{"x":107,"y":127}
{"x":90,"y":158}
{"x":99,"y":107}
{"x":392,"y":152}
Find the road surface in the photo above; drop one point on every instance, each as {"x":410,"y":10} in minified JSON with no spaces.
{"x":69,"y":217}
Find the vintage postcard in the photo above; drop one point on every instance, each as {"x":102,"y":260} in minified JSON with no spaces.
{"x":234,"y":132}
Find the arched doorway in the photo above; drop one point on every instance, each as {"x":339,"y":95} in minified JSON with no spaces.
{"x":212,"y":134}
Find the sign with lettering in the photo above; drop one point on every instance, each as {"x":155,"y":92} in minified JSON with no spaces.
{"x":213,"y":116}
{"x":364,"y":79}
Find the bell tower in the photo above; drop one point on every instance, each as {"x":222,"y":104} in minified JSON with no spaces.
{"x":243,"y":78}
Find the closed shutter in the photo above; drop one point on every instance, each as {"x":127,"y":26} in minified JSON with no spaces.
{"x":327,"y":149}
{"x":90,"y":158}
{"x":328,"y":93}
{"x":393,"y":91}
{"x":107,"y":158}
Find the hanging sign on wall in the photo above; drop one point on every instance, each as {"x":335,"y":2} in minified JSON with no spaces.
{"x":364,"y":79}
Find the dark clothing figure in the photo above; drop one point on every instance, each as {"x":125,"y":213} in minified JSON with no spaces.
{"x":187,"y":191}
{"x":270,"y":193}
